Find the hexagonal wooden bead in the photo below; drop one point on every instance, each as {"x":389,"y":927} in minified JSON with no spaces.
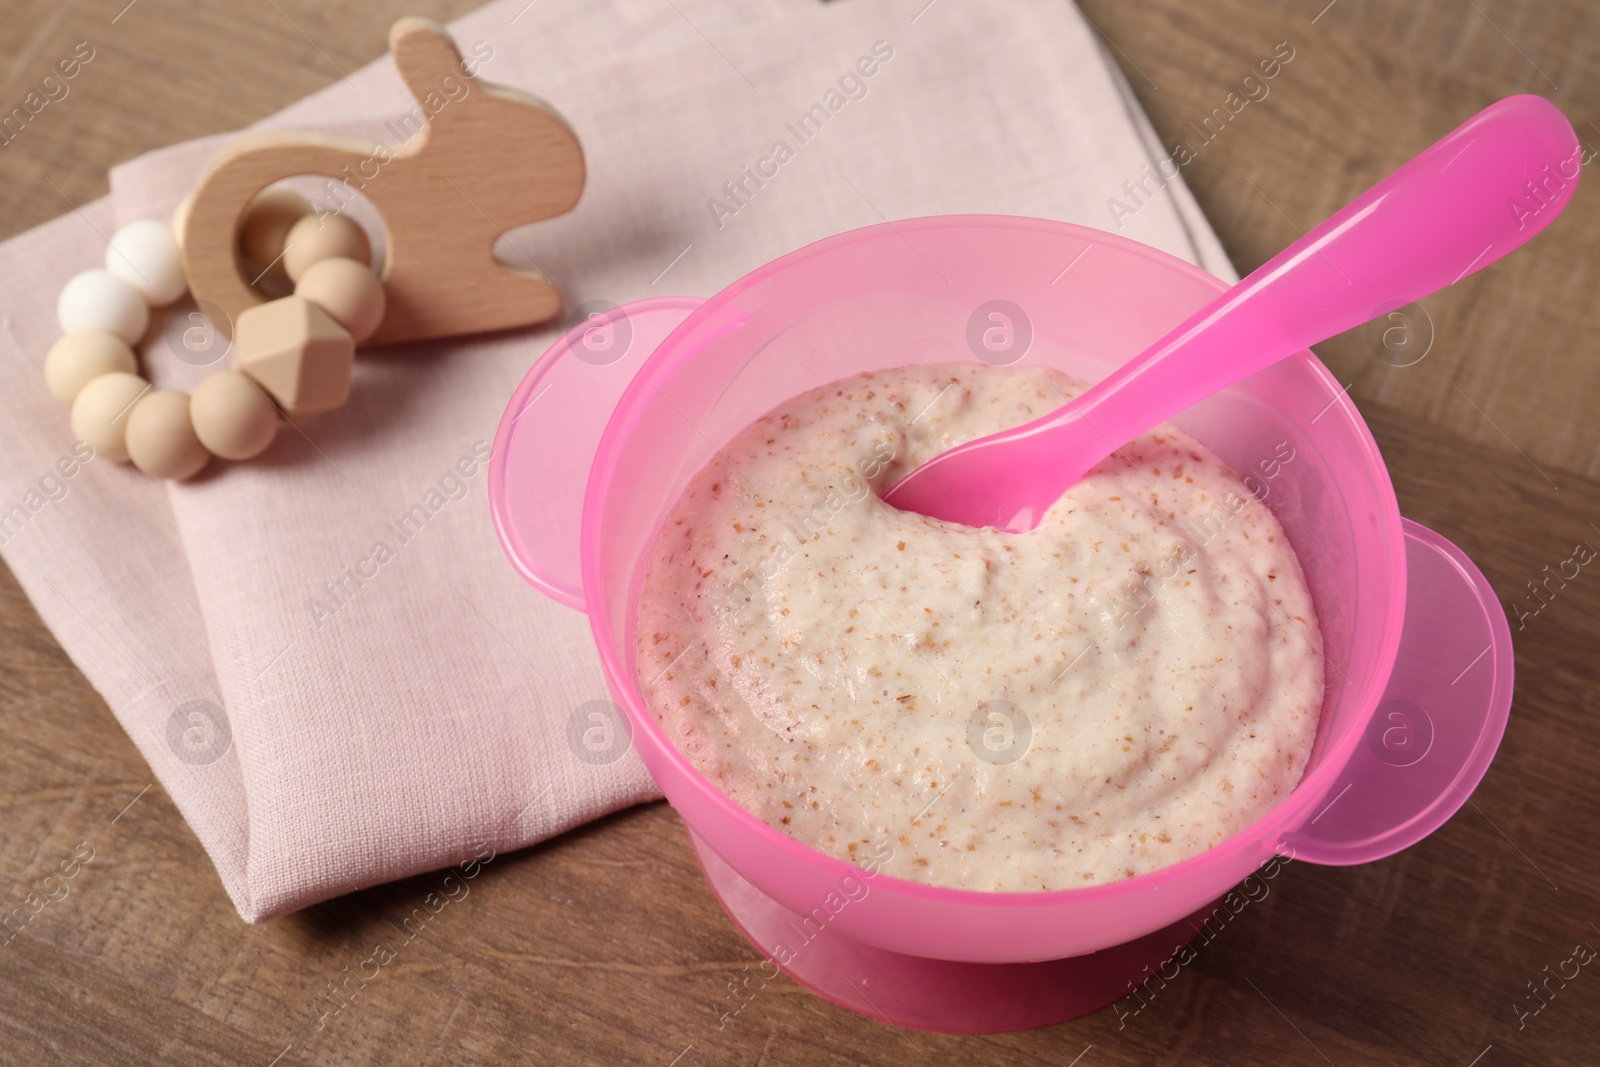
{"x":297,"y":352}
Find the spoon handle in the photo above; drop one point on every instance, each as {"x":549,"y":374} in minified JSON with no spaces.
{"x":1480,"y":192}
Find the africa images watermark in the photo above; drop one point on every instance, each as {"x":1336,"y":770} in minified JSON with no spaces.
{"x":852,"y":85}
{"x":1540,"y":995}
{"x":1547,"y":185}
{"x":340,"y":591}
{"x":1543,"y":594}
{"x":51,"y":487}
{"x":198,"y":732}
{"x":810,"y":926}
{"x":53,"y":888}
{"x":341,"y":192}
{"x":1252,"y":89}
{"x":1253,"y":890}
{"x":51,"y":89}
{"x":338,"y":995}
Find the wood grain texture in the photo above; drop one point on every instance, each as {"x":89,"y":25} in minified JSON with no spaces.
{"x":481,"y":159}
{"x":605,"y":947}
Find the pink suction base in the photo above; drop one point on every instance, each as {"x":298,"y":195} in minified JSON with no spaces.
{"x":941,"y":996}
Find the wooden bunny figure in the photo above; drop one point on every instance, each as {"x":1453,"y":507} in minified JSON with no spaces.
{"x":486,"y":159}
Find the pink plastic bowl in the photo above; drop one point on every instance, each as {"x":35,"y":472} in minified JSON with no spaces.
{"x":601,"y":437}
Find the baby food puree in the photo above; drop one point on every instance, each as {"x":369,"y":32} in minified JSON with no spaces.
{"x":1117,"y":690}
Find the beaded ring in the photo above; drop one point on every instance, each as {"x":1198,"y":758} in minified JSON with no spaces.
{"x":291,"y":355}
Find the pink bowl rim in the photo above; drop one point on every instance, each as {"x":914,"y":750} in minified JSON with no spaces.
{"x":1281,"y":820}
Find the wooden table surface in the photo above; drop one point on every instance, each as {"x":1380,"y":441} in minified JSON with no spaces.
{"x":605,"y":946}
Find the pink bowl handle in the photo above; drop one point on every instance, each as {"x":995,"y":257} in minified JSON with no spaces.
{"x":551,"y":428}
{"x":1438,"y":723}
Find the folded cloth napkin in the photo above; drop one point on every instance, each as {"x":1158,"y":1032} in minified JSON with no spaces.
{"x":326,"y":722}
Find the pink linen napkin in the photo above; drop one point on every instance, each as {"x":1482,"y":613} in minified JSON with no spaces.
{"x":326,"y":722}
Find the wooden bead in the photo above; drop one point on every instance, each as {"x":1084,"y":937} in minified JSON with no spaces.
{"x":232,"y":417}
{"x":100,"y":413}
{"x":99,"y":300}
{"x":79,"y":358}
{"x":160,"y":439}
{"x":348,"y":291}
{"x":180,"y":218}
{"x":266,"y":223}
{"x":318,"y":237}
{"x":145,"y":255}
{"x":298,"y":352}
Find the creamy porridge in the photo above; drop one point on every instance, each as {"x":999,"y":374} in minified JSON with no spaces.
{"x":1117,"y":690}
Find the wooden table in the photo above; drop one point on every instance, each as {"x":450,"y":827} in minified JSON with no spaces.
{"x":605,"y":947}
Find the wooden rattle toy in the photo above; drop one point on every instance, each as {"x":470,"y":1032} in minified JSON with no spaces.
{"x":487,"y":159}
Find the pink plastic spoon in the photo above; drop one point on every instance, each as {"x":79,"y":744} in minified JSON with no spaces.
{"x":1483,"y":190}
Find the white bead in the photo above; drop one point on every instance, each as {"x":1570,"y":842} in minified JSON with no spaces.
{"x":145,"y":255}
{"x":99,"y":300}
